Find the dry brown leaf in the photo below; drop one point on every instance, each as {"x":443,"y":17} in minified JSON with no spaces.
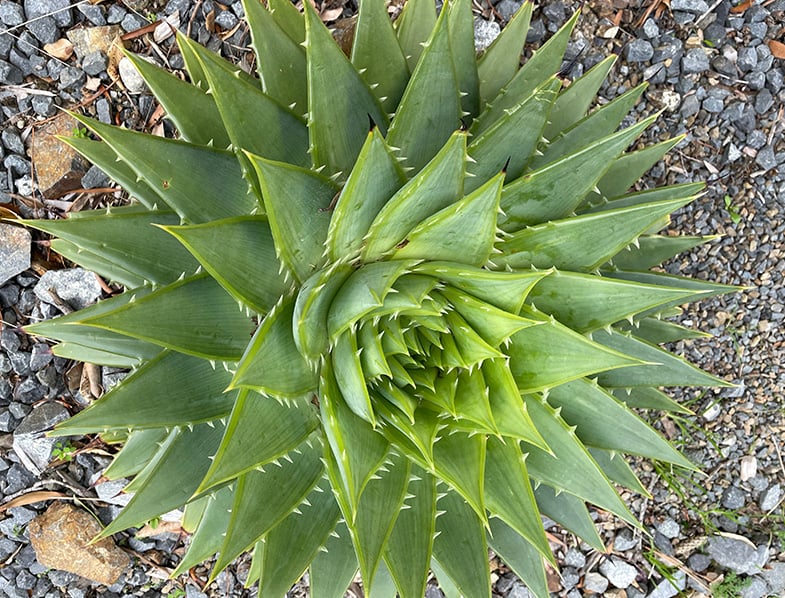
{"x":162,"y":527}
{"x":62,"y":49}
{"x":740,"y":8}
{"x":32,"y":497}
{"x":777,"y":49}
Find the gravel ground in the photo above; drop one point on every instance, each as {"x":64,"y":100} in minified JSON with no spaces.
{"x":711,"y":68}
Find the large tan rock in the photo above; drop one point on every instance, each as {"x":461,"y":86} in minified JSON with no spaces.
{"x":61,"y":538}
{"x":58,"y":168}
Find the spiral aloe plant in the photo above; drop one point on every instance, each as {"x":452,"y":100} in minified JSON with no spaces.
{"x":385,"y":311}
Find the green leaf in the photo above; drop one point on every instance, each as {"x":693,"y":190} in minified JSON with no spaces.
{"x":509,"y":495}
{"x":435,"y":187}
{"x":541,"y":66}
{"x":414,"y":25}
{"x":508,"y":408}
{"x":570,"y":512}
{"x":460,"y":22}
{"x":288,"y":18}
{"x":127,"y":239}
{"x":350,"y":378}
{"x":519,"y":555}
{"x":575,"y":100}
{"x":616,"y":468}
{"x":471,"y":402}
{"x":408,"y":550}
{"x":586,"y":303}
{"x":502,"y":59}
{"x":281,"y":486}
{"x":631,"y":166}
{"x":658,"y":332}
{"x":462,"y":232}
{"x":103,"y":156}
{"x":240,"y":254}
{"x":644,"y":397}
{"x":603,"y":422}
{"x":95,"y":263}
{"x":199,"y":183}
{"x":139,"y":449}
{"x":459,"y":546}
{"x":334,"y":568}
{"x":77,"y":352}
{"x":208,"y":537}
{"x":170,"y":389}
{"x":283,"y":561}
{"x":375,"y":178}
{"x":194,"y":316}
{"x":549,"y":354}
{"x":570,"y":468}
{"x":377,"y":56}
{"x":583,"y":243}
{"x":459,"y":459}
{"x":363,"y":291}
{"x":297,"y":200}
{"x":661,"y":367}
{"x":338,"y":123}
{"x":254,"y":121}
{"x":505,"y":290}
{"x":430,"y":109}
{"x":247,"y":444}
{"x":653,"y":250}
{"x":312,"y":307}
{"x":379,"y":506}
{"x":192,"y":111}
{"x":271,"y":363}
{"x":169,"y":481}
{"x":280,"y":61}
{"x":555,"y":190}
{"x":599,"y":124}
{"x":509,"y":143}
{"x":494,"y":325}
{"x":357,"y":449}
{"x":71,"y":328}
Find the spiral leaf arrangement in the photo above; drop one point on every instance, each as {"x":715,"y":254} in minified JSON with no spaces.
{"x":383,"y":312}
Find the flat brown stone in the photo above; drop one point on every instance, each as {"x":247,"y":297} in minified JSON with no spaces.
{"x":61,"y":538}
{"x":58,"y":168}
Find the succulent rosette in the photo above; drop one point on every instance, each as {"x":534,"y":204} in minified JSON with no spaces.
{"x":383,"y":311}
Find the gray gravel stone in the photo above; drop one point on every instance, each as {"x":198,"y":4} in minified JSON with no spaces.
{"x":15,"y":244}
{"x":484,"y":33}
{"x":748,"y":59}
{"x":130,"y":76}
{"x":695,"y":61}
{"x":11,"y":13}
{"x":667,"y":588}
{"x":31,"y":445}
{"x":624,"y":540}
{"x":733,"y":498}
{"x":507,"y":8}
{"x":669,"y":528}
{"x":755,"y":588}
{"x":518,"y":590}
{"x":770,"y":497}
{"x":734,"y":554}
{"x":10,"y":74}
{"x":698,"y":562}
{"x":574,"y":558}
{"x":618,"y":572}
{"x":595,"y":583}
{"x":43,"y":105}
{"x":95,"y":178}
{"x":766,"y":158}
{"x":774,"y":575}
{"x":44,"y":29}
{"x":697,"y":7}
{"x":95,"y":62}
{"x":639,"y":50}
{"x":77,"y":287}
